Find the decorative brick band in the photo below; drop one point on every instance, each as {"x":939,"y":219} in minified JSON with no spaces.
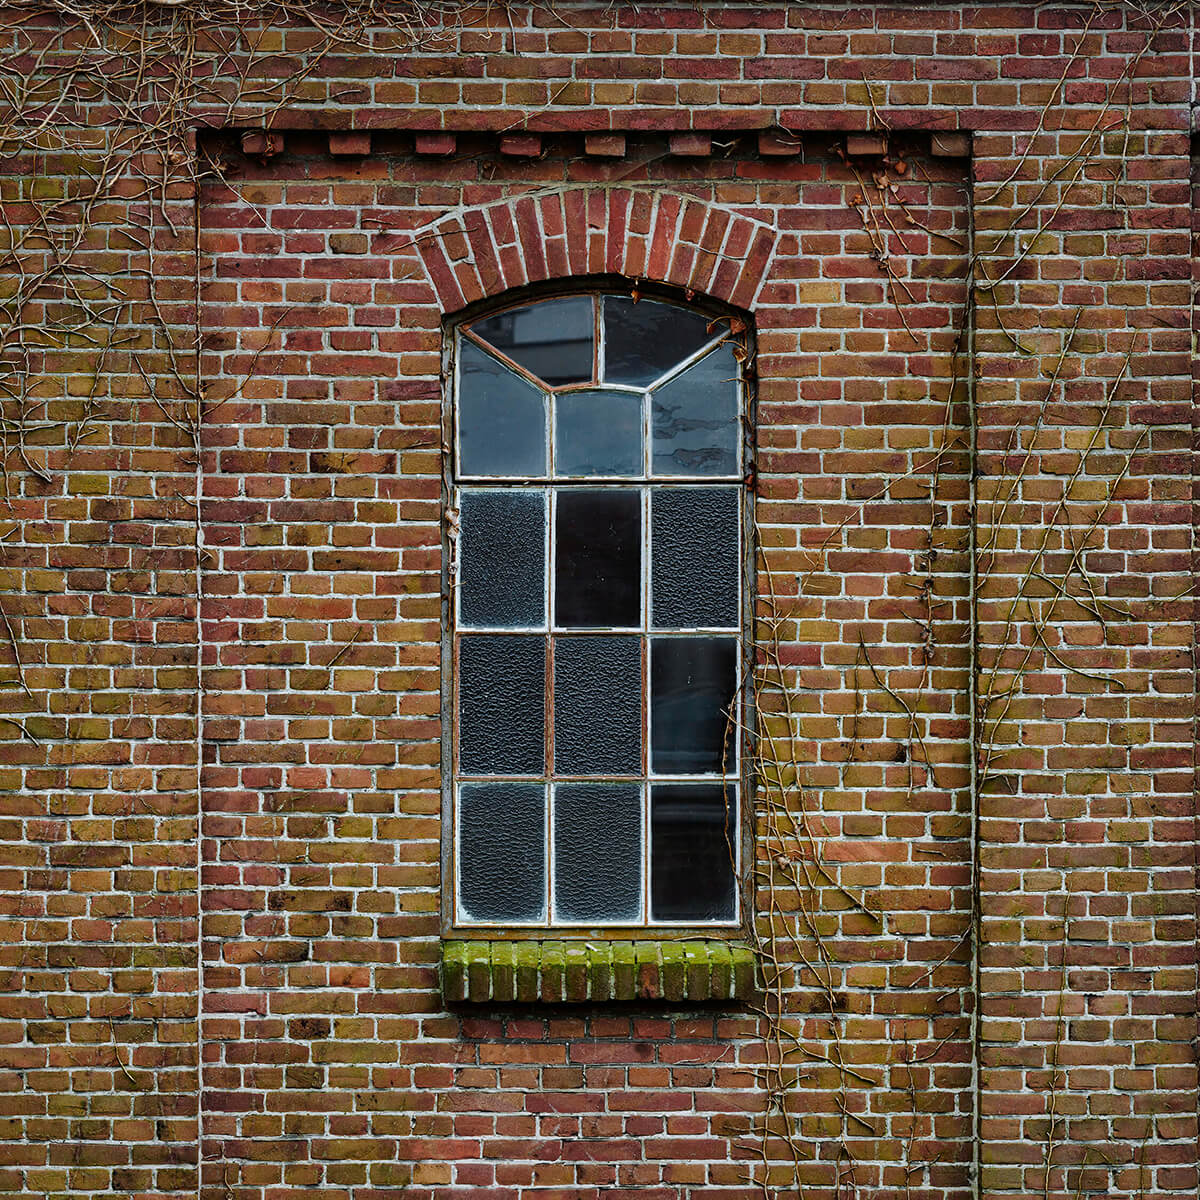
{"x":556,"y":972}
{"x":471,"y":254}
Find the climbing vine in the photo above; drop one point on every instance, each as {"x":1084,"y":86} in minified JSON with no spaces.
{"x":1050,"y":614}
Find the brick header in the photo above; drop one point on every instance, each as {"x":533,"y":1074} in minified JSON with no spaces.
{"x":472,"y":254}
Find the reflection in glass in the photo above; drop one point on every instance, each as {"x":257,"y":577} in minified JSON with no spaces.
{"x":598,"y":536}
{"x":600,"y":788}
{"x":643,"y":340}
{"x":501,"y":704}
{"x":501,"y":418}
{"x":552,"y":339}
{"x":598,"y":852}
{"x":598,"y":705}
{"x":693,"y":852}
{"x":502,"y":851}
{"x":694,"y":419}
{"x":692,"y":685}
{"x":502,"y":544}
{"x":598,"y":433}
{"x":695,"y":557}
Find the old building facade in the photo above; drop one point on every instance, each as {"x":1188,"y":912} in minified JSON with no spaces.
{"x":289,"y":908}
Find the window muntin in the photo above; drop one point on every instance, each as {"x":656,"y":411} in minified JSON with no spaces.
{"x":597,"y":579}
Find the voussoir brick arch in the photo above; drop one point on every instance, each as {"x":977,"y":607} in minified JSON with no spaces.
{"x":472,"y":254}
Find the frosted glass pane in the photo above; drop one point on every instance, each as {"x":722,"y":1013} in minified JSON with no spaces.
{"x":598,"y":705}
{"x":598,"y":433}
{"x":692,"y":682}
{"x":643,"y":340}
{"x":552,"y":339}
{"x":502,"y":851}
{"x":501,"y":418}
{"x":694,"y":419}
{"x":598,"y":558}
{"x":693,"y":852}
{"x":597,"y":852}
{"x":695,"y":557}
{"x":501,"y":704}
{"x":502,"y":559}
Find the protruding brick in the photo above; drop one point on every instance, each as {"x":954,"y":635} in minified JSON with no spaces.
{"x":779,"y":144}
{"x":691,"y":145}
{"x":344,"y":143}
{"x":521,"y":145}
{"x":504,"y":972}
{"x":435,"y":143}
{"x":261,"y":143}
{"x":866,"y":143}
{"x":950,"y":145}
{"x":454,"y":970}
{"x":605,"y":145}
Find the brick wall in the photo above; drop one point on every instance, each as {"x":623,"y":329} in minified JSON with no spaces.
{"x":974,"y":419}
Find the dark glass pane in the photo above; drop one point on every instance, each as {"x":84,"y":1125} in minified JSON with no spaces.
{"x":692,"y":682}
{"x":597,"y":852}
{"x":695,"y":559}
{"x":598,"y":433}
{"x":551,"y":339}
{"x":643,"y":340}
{"x":501,"y":418}
{"x":502,"y":558}
{"x":598,"y":705}
{"x":693,"y":852}
{"x":598,"y":552}
{"x":694,"y":419}
{"x":501,"y":704}
{"x":502,"y":851}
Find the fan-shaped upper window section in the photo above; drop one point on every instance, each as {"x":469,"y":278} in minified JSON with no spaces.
{"x":598,"y":387}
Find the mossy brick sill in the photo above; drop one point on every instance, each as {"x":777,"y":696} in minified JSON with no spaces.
{"x":551,"y":972}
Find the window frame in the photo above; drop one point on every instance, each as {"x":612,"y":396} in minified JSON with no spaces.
{"x":595,"y":287}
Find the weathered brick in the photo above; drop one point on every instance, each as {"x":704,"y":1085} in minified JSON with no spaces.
{"x":713,"y":140}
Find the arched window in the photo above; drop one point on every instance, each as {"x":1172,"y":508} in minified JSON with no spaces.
{"x":598,"y":590}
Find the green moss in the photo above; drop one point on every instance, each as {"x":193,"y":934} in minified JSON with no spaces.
{"x":527,"y":971}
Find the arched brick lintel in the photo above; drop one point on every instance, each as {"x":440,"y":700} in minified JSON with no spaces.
{"x":474,"y":254}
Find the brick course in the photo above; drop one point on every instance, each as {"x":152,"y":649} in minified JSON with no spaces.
{"x":221,"y":976}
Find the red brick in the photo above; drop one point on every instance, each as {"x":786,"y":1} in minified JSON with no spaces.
{"x":605,"y":145}
{"x":435,"y":143}
{"x":346,"y":143}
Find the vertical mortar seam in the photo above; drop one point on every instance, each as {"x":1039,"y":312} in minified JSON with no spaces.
{"x":198,"y":569}
{"x":972,"y":685}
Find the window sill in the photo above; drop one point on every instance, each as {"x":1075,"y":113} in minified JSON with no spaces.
{"x":553,"y":972}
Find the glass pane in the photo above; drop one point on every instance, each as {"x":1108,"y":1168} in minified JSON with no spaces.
{"x":694,"y":419}
{"x":644,"y":339}
{"x":695,"y":557}
{"x":598,"y":706}
{"x":502,"y":851}
{"x":692,"y":682}
{"x":598,"y":552}
{"x":693,"y":852}
{"x":598,"y":852}
{"x":501,"y":418}
{"x":501,"y":704}
{"x":598,"y":433}
{"x":502,"y":559}
{"x":552,"y":339}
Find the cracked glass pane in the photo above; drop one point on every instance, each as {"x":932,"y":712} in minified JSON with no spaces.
{"x":501,"y":851}
{"x":598,"y":852}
